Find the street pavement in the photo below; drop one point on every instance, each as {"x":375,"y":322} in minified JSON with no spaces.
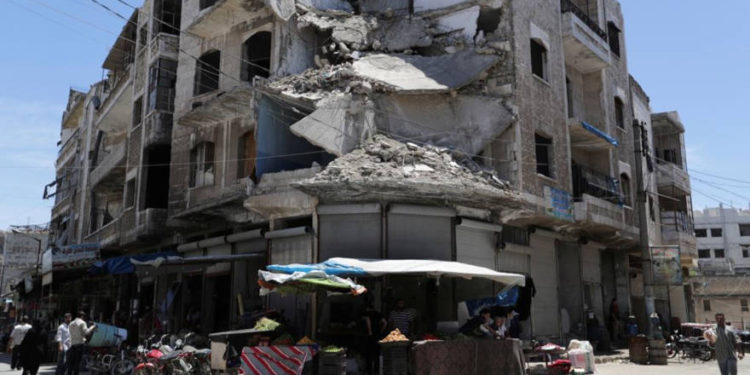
{"x":44,"y":369}
{"x":673,"y":368}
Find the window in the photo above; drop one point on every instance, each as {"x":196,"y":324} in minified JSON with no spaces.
{"x":203,"y":4}
{"x":625,"y":184}
{"x":670,"y":156}
{"x":718,"y":253}
{"x":168,"y":14}
{"x":137,"y":111}
{"x":613,"y":34}
{"x":715,"y":232}
{"x":543,"y":155}
{"x":161,"y":83}
{"x":651,"y":210}
{"x":538,"y":59}
{"x":706,"y":305}
{"x":202,"y":165}
{"x":746,"y":251}
{"x":207,"y":73}
{"x":619,"y":114}
{"x":701,"y":233}
{"x":744,"y":230}
{"x":515,"y":235}
{"x":130,"y":193}
{"x":704,"y":253}
{"x":246,"y":154}
{"x":743,"y":305}
{"x":256,"y":56}
{"x":569,"y":91}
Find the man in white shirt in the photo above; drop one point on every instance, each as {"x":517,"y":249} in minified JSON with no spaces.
{"x":63,"y":344}
{"x":16,"y":338}
{"x":78,"y":332}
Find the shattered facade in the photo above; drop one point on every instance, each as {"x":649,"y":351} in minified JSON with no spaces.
{"x":497,"y":133}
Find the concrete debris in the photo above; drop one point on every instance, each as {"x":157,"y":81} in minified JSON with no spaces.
{"x":403,"y":33}
{"x":464,"y":20}
{"x":355,"y":31}
{"x":327,"y":5}
{"x":386,"y":168}
{"x":316,"y":84}
{"x":419,"y":74}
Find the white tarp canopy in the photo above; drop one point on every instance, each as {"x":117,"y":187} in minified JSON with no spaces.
{"x":381,"y":267}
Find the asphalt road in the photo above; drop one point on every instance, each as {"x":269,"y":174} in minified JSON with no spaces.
{"x":673,"y":368}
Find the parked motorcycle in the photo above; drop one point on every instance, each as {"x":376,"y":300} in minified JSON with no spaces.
{"x":696,"y":348}
{"x":106,"y":360}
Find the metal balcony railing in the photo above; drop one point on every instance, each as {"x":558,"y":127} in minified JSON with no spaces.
{"x":676,"y":221}
{"x":588,"y":181}
{"x":569,"y":6}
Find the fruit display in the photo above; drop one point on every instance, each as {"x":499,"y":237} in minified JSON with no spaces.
{"x":394,"y":336}
{"x":265,"y":324}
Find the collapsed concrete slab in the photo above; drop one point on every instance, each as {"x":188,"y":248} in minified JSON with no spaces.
{"x":466,"y":123}
{"x":425,"y":74}
{"x":386,"y":169}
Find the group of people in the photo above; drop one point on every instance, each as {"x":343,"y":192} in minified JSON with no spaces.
{"x":503,"y":324}
{"x":27,"y":342}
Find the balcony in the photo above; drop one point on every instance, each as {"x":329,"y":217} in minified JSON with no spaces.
{"x":588,"y":137}
{"x":677,"y":229}
{"x":164,"y":45}
{"x":111,"y":168}
{"x":672,"y":179}
{"x":62,"y":206}
{"x":150,"y":224}
{"x":716,"y":266}
{"x":215,"y":106}
{"x":116,"y":109}
{"x":585,"y":43}
{"x":108,"y":236}
{"x":157,"y":128}
{"x":216,"y":19}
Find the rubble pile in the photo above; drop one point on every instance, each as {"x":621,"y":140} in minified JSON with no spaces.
{"x":383,"y":167}
{"x":327,"y":81}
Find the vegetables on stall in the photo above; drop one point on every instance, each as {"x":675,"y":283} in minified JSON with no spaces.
{"x":305,"y":341}
{"x":332,"y":349}
{"x":394,"y":336}
{"x":265,"y":324}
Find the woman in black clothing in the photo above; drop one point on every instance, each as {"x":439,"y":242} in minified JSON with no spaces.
{"x":32,"y":348}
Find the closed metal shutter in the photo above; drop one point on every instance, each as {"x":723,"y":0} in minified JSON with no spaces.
{"x":509,"y":261}
{"x":297,"y":249}
{"x":545,"y":312}
{"x":420,"y":233}
{"x":476,"y":246}
{"x":352,"y":231}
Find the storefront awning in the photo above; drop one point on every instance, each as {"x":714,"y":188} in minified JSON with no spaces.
{"x":381,"y":267}
{"x":123,"y":265}
{"x":585,"y":135}
{"x":205,"y":260}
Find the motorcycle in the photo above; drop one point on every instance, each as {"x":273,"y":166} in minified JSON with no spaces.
{"x":674,"y":345}
{"x":105,"y":360}
{"x":696,"y":348}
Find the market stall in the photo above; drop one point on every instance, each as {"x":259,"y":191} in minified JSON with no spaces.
{"x":436,"y":324}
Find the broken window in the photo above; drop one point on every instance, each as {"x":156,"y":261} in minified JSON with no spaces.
{"x":704,"y":253}
{"x":203,"y":4}
{"x":137,"y":111}
{"x":613,"y":34}
{"x":161,"y":85}
{"x":619,"y":113}
{"x":166,"y":17}
{"x":625,"y":184}
{"x":543,"y":155}
{"x":157,"y":177}
{"x":256,"y":56}
{"x":246,"y":154}
{"x":202,"y":164}
{"x":488,"y":20}
{"x":207,"y":72}
{"x":701,"y":233}
{"x":538,"y":59}
{"x":130,"y":193}
{"x":718,"y":253}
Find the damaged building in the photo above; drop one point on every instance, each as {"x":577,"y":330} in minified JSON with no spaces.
{"x":492,"y":132}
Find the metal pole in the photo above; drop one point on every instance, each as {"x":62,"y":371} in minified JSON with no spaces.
{"x":648,"y":287}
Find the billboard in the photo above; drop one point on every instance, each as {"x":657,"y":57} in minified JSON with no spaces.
{"x":21,"y":255}
{"x":70,"y":257}
{"x":665,"y":265}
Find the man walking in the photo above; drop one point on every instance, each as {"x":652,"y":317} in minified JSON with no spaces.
{"x":78,"y":332}
{"x":16,"y":338}
{"x":63,"y":344}
{"x":727,"y":343}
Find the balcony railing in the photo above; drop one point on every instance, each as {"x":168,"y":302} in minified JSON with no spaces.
{"x":569,"y":6}
{"x":588,"y":181}
{"x":676,"y":221}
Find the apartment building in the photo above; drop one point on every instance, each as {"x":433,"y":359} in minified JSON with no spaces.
{"x":265,"y":134}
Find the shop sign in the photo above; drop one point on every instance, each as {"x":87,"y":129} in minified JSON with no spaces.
{"x":665,"y":265}
{"x":558,"y":203}
{"x":70,"y":257}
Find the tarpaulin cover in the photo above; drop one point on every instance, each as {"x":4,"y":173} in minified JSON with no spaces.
{"x":599,"y":133}
{"x":305,"y":282}
{"x":122,"y":265}
{"x":276,"y":360}
{"x":503,"y":299}
{"x":381,"y":267}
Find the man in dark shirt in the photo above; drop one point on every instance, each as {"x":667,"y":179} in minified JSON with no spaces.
{"x":402,"y":318}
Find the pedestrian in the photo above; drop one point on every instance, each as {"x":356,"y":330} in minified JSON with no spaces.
{"x":78,"y":332}
{"x":32,"y":348}
{"x":62,"y":337}
{"x":727,"y":343}
{"x":614,"y":320}
{"x":402,"y":318}
{"x":16,"y":338}
{"x":374,"y":326}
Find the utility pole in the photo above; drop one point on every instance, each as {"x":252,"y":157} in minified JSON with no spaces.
{"x":642,"y":198}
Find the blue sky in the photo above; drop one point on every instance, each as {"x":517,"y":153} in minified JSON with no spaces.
{"x":687,"y":55}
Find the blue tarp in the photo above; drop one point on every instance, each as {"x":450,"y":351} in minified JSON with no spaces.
{"x":329,"y":267}
{"x":593,"y":129}
{"x":122,"y":265}
{"x":502,"y":299}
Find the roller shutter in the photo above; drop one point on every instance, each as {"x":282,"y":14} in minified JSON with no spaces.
{"x":352,"y":231}
{"x":420,"y":233}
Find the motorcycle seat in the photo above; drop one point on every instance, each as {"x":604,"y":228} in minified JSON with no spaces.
{"x":170,"y":356}
{"x":203,"y":351}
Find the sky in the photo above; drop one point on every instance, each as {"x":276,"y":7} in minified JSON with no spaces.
{"x":688,"y":57}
